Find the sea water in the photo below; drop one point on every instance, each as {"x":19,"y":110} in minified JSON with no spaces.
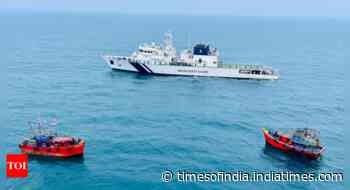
{"x":137,"y":127}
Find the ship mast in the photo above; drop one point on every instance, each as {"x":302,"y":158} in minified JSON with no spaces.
{"x":168,"y":40}
{"x":168,"y":44}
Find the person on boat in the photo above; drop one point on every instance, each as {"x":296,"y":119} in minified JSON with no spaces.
{"x":275,"y":134}
{"x":318,"y":142}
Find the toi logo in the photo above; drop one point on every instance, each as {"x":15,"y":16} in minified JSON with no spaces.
{"x":17,"y":165}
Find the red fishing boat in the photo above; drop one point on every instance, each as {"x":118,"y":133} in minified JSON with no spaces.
{"x":300,"y":141}
{"x":45,"y":142}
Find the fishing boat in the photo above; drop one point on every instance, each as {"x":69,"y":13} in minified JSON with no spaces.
{"x":302,"y":141}
{"x":45,"y":142}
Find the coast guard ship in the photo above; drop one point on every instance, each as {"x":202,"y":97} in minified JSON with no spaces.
{"x":202,"y":60}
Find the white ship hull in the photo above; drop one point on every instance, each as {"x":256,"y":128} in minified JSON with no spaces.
{"x":123,"y":64}
{"x":204,"y":71}
{"x":119,"y":63}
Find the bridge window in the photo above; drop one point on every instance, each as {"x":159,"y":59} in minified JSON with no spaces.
{"x":244,"y":71}
{"x":201,"y":49}
{"x":145,"y":51}
{"x":256,"y":72}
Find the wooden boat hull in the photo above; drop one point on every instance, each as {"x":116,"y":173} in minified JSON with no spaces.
{"x":55,"y":151}
{"x":289,"y":148}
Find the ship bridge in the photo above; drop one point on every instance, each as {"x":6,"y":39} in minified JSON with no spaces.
{"x":201,"y":49}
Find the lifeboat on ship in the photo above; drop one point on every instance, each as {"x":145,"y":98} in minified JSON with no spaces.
{"x":44,"y":142}
{"x":303,"y":142}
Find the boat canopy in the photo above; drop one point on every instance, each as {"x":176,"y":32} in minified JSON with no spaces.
{"x":41,"y":138}
{"x":62,"y":140}
{"x":302,"y":136}
{"x":308,"y":137}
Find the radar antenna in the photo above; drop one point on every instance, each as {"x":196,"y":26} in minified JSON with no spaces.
{"x":168,"y":45}
{"x":168,"y":40}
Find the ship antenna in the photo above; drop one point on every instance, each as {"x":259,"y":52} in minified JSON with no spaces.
{"x":31,"y":127}
{"x":168,"y":40}
{"x":188,"y":41}
{"x":39,"y":125}
{"x":53,"y":124}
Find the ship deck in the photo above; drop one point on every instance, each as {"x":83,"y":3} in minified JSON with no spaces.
{"x":241,"y":66}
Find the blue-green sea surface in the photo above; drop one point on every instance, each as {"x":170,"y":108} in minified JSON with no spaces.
{"x":137,"y":127}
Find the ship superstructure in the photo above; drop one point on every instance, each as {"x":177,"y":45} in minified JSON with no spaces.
{"x":201,"y":60}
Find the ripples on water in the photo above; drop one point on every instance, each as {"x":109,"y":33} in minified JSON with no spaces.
{"x":138,"y":126}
